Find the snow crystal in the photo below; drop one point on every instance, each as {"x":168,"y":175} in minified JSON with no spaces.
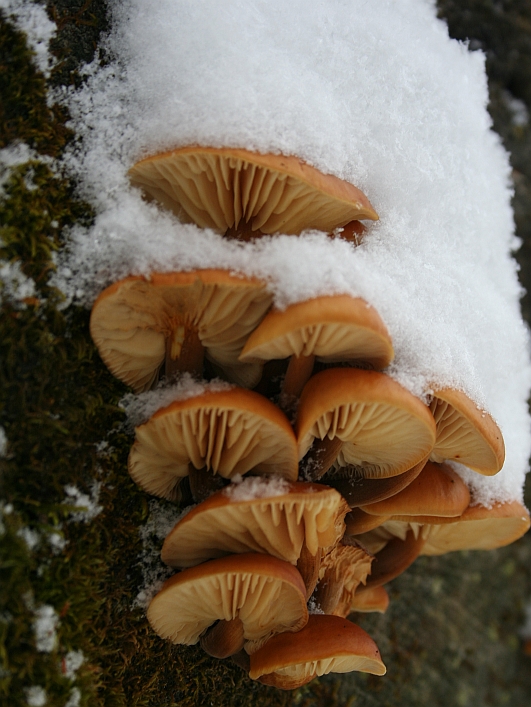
{"x":15,"y":287}
{"x":30,"y":537}
{"x":35,"y":696}
{"x":162,"y":518}
{"x":140,"y":408}
{"x":71,"y":663}
{"x":374,"y":93}
{"x":245,"y":489}
{"x":75,"y":698}
{"x":44,"y":628}
{"x":87,"y":505}
{"x":57,"y":542}
{"x":31,"y":18}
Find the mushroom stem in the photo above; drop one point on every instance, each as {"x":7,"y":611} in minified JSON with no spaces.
{"x":184,"y":352}
{"x":223,"y":639}
{"x":308,"y":566}
{"x":299,"y":371}
{"x":329,"y":591}
{"x":203,"y":482}
{"x":321,"y":456}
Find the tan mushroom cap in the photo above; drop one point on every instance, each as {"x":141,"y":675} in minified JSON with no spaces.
{"x":368,"y":599}
{"x":358,"y":521}
{"x":385,"y":429}
{"x":137,"y":322}
{"x":266,"y":594}
{"x":437,"y":491}
{"x":277,"y":525}
{"x":326,"y":644}
{"x":478,"y":528}
{"x":465,"y":433}
{"x":226,"y":188}
{"x":229,"y":432}
{"x":332,"y":328}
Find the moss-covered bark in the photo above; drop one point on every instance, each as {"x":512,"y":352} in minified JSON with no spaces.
{"x":450,"y":636}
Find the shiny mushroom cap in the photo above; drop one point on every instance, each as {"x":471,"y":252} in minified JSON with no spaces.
{"x":437,"y":491}
{"x":137,"y":324}
{"x":369,"y":599}
{"x":478,"y":528}
{"x":332,"y":328}
{"x":384,"y":429}
{"x":230,"y":189}
{"x":276,"y":518}
{"x":465,"y":433}
{"x":229,"y":432}
{"x":266,"y":594}
{"x":326,"y":644}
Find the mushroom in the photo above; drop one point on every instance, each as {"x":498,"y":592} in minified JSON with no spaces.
{"x":228,"y":432}
{"x":359,"y":491}
{"x":326,"y":644}
{"x":172,"y":319}
{"x":362,"y":418}
{"x":358,"y":521}
{"x":478,"y":528}
{"x":437,"y":491}
{"x":394,"y":558}
{"x":330,"y":328}
{"x":369,"y":599}
{"x":251,"y":596}
{"x":241,"y":193}
{"x":465,"y":433}
{"x":342,"y":570}
{"x":295,"y":522}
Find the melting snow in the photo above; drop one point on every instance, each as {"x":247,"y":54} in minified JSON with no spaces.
{"x":35,"y":696}
{"x":245,"y":489}
{"x":44,"y":628}
{"x":88,"y":505}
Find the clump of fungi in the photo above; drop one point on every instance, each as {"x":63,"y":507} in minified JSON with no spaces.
{"x":295,"y":524}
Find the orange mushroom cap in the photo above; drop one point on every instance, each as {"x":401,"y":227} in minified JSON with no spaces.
{"x":225,"y":188}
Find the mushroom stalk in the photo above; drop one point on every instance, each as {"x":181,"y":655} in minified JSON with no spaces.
{"x":322,"y":455}
{"x":299,"y":371}
{"x":329,"y":591}
{"x":223,"y":639}
{"x":203,"y":482}
{"x":184,"y":352}
{"x":308,"y":566}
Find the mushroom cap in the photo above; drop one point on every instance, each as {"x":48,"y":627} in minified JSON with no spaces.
{"x":228,"y":431}
{"x":132,"y":319}
{"x":333,"y":328}
{"x":277,"y":525}
{"x":367,"y":599}
{"x":357,"y":521}
{"x":478,"y":528}
{"x":349,"y":563}
{"x":384,"y":428}
{"x":465,"y":433}
{"x":266,"y":594}
{"x":219,"y":188}
{"x":326,"y":644}
{"x":437,"y":491}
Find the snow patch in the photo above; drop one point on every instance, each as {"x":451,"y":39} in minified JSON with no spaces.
{"x":71,"y":663}
{"x":35,"y":696}
{"x":45,"y":628}
{"x":246,"y":489}
{"x":87,"y":507}
{"x":31,"y":18}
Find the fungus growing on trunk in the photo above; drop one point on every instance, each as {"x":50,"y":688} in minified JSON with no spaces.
{"x":251,"y":596}
{"x":465,"y":433}
{"x":227,"y":432}
{"x":327,"y":644}
{"x":365,"y":419}
{"x":290,"y":521}
{"x":172,"y":320}
{"x":330,"y":328}
{"x":243,"y":194}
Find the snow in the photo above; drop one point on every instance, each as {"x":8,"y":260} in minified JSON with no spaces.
{"x":374,"y":93}
{"x":75,"y":698}
{"x":30,"y":537}
{"x":256,"y":487}
{"x":140,"y":408}
{"x":88,"y":507}
{"x":44,"y":628}
{"x":31,"y":18}
{"x":71,"y":663}
{"x":162,"y":518}
{"x":36,"y":696}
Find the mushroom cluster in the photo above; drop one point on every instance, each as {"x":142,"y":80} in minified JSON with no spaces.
{"x":314,"y":477}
